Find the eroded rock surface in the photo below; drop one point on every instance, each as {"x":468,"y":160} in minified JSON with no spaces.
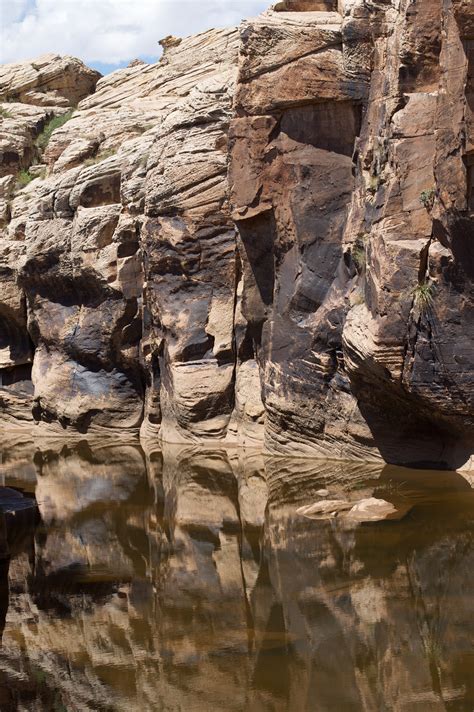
{"x":265,"y":238}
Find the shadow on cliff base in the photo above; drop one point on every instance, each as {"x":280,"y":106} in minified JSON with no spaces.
{"x":404,"y":437}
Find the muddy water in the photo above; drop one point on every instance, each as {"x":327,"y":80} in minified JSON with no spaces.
{"x":188,"y":581}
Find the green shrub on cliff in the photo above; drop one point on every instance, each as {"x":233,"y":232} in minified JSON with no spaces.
{"x":427,"y":198}
{"x":423,"y":295}
{"x":359,"y":257}
{"x":23,"y":178}
{"x":100,"y":157}
{"x":359,"y":251}
{"x":55,"y":123}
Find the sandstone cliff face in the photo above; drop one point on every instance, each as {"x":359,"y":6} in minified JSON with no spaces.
{"x":266,"y":238}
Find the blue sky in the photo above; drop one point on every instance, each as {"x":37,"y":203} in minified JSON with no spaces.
{"x":107,"y":34}
{"x":107,"y":67}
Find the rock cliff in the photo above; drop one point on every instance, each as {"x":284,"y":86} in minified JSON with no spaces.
{"x":264,"y":239}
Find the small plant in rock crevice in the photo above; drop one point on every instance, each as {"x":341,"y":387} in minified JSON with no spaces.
{"x":358,"y":252}
{"x":144,"y":160}
{"x":4,"y":114}
{"x":100,"y":157}
{"x":358,"y":257}
{"x":423,"y":295}
{"x":55,"y":123}
{"x":24,"y":177}
{"x":143,"y":128}
{"x":374,"y":184}
{"x":427,"y":198}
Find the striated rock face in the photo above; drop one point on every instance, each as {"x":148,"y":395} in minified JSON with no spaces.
{"x":300,"y":105}
{"x":189,"y":243}
{"x":265,"y":238}
{"x":48,"y":80}
{"x":408,"y":344}
{"x":32,"y":92}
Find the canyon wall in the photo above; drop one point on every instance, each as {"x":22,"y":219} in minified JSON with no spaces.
{"x":265,"y":239}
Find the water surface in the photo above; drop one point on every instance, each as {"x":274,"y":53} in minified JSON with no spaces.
{"x":188,"y":581}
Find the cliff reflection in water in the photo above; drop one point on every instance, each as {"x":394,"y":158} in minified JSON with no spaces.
{"x":186,"y":580}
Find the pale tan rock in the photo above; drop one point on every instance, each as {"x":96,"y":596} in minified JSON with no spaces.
{"x":74,"y":394}
{"x":326,"y":508}
{"x":19,"y":125}
{"x":304,"y":5}
{"x":376,"y":510}
{"x":50,"y":76}
{"x":7,"y":187}
{"x":74,"y":154}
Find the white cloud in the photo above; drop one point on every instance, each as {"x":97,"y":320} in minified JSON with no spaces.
{"x":12,"y":11}
{"x":109,"y":31}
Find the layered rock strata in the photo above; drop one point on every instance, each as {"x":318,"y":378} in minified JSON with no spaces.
{"x":263,"y":239}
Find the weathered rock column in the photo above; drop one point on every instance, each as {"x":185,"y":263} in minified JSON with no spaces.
{"x":298,"y":112}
